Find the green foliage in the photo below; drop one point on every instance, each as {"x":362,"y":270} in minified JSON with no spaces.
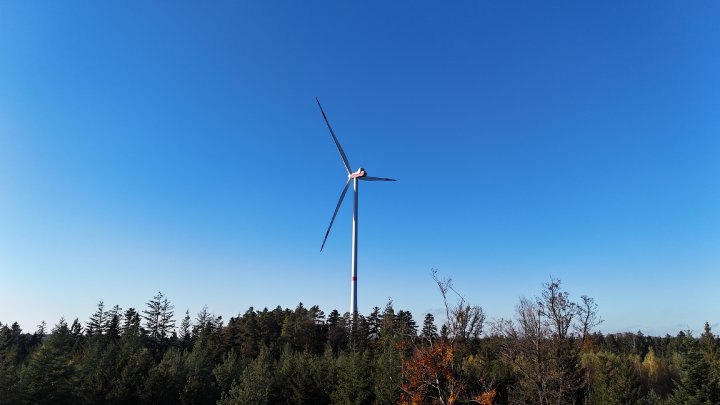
{"x":354,"y":382}
{"x":255,"y":386}
{"x":134,"y":362}
{"x":429,"y":330}
{"x":200,"y":386}
{"x":166,"y":380}
{"x":305,"y":378}
{"x":9,"y":356}
{"x":229,"y":370}
{"x":159,"y":317}
{"x":95,"y":371}
{"x":337,"y":336}
{"x":388,"y":368}
{"x":612,"y":379}
{"x":47,"y":376}
{"x":698,"y":383}
{"x":549,"y":355}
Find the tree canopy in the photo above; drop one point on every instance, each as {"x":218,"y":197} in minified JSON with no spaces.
{"x":549,"y":353}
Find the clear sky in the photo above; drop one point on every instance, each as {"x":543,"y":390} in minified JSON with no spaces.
{"x":177,"y":147}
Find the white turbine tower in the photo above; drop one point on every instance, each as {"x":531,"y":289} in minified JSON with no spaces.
{"x":360,"y":174}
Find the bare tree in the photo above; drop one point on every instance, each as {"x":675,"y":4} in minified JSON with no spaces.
{"x":588,"y":317}
{"x":541,"y":348}
{"x":558,"y":308}
{"x":462,"y":320}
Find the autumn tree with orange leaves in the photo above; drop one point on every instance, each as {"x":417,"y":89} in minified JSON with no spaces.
{"x":433,"y":375}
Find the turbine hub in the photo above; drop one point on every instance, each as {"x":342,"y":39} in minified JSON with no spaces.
{"x":359,"y":173}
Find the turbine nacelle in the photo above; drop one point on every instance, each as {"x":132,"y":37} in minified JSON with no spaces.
{"x":359,"y":173}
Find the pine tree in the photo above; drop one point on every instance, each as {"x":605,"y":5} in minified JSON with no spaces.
{"x":227,"y":371}
{"x":41,"y":331}
{"x":695,"y":385}
{"x":406,"y":326}
{"x":76,"y":329}
{"x":112,"y":323}
{"x":336,"y":331}
{"x":613,"y":380}
{"x":354,"y":381}
{"x":388,"y":359}
{"x":255,"y":386}
{"x":131,"y":323}
{"x":166,"y":380}
{"x":98,"y":321}
{"x":249,"y":335}
{"x":201,"y":321}
{"x":303,"y":378}
{"x":185,"y":331}
{"x":10,"y":391}
{"x":374,"y":321}
{"x":429,"y":330}
{"x":47,"y":377}
{"x":159,"y":317}
{"x":199,"y":387}
{"x":134,"y":362}
{"x":270,"y":326}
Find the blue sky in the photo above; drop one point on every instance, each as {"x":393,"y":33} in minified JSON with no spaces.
{"x":178,"y":148}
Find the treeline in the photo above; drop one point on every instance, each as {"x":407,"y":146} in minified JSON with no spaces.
{"x":549,"y":354}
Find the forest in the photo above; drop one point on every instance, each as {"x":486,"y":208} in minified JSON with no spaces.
{"x":550,"y":353}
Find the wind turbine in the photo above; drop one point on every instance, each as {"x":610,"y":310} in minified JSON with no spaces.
{"x":355,"y":177}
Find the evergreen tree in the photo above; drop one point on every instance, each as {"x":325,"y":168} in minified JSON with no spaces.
{"x":248,"y":335}
{"x":159,"y":323}
{"x":166,"y":380}
{"x":374,"y":321}
{"x":159,"y":317}
{"x":613,"y":380}
{"x":303,"y":378}
{"x":406,"y":328}
{"x":76,"y":329}
{"x":229,"y":370}
{"x":200,"y":387}
{"x":336,"y":332}
{"x":695,"y":386}
{"x":387,"y":321}
{"x":358,"y":332}
{"x":388,"y":359}
{"x":354,"y":381}
{"x":112,"y":323}
{"x":46,"y":379}
{"x":131,"y":323}
{"x":185,"y":331}
{"x":41,"y":331}
{"x":134,"y":362}
{"x":201,"y":321}
{"x":95,"y":370}
{"x":256,"y":385}
{"x":98,"y":321}
{"x":429,"y":330}
{"x":270,"y":326}
{"x":9,"y":355}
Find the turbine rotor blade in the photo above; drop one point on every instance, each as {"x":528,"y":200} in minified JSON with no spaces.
{"x":370,"y":178}
{"x":342,"y":195}
{"x":337,"y":143}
